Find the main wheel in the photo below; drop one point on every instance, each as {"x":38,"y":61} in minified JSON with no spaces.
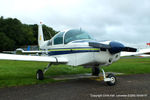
{"x":113,"y":81}
{"x":95,"y":71}
{"x":39,"y":75}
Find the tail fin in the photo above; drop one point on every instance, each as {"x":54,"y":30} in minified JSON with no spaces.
{"x":40,"y":35}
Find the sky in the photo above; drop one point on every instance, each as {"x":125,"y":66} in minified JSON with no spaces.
{"x":127,"y":21}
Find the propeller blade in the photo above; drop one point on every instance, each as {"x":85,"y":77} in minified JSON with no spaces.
{"x":129,"y":49}
{"x":99,"y":45}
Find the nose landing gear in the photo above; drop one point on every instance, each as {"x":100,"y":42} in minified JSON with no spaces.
{"x":110,"y":79}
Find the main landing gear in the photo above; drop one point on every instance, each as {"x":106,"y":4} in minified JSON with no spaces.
{"x":110,"y":79}
{"x":95,"y":71}
{"x":40,"y":73}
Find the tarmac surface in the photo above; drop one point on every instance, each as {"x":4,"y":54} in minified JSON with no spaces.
{"x":133,"y":87}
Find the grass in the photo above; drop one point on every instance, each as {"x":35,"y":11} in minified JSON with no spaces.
{"x":131,"y":66}
{"x":17,"y":73}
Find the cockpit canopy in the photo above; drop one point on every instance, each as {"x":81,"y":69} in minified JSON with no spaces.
{"x":69,"y":36}
{"x":75,"y":34}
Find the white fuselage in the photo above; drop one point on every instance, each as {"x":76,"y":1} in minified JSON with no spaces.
{"x":80,"y":53}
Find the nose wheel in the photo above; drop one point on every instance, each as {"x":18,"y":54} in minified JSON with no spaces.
{"x":110,"y":79}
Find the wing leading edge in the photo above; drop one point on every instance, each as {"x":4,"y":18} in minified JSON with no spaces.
{"x":134,"y":53}
{"x":32,"y":58}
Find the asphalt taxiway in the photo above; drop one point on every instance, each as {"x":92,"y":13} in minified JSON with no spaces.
{"x":133,"y":87}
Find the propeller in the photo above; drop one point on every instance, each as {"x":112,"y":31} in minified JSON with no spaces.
{"x":129,"y":49}
{"x":113,"y":47}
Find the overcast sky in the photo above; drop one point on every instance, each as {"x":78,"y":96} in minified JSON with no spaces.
{"x":122,"y":20}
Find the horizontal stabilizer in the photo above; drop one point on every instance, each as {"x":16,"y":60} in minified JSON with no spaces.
{"x":21,"y":51}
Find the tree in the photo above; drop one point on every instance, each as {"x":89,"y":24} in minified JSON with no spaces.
{"x":14,"y":34}
{"x":6,"y":43}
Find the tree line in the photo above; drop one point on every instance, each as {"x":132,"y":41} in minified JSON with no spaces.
{"x":14,"y":34}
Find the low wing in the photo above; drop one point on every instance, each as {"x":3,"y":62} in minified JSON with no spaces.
{"x":139,"y":53}
{"x":129,"y":54}
{"x":144,"y":55}
{"x":32,"y":58}
{"x":145,"y":52}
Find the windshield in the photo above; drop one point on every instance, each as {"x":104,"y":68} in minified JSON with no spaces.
{"x":72,"y":35}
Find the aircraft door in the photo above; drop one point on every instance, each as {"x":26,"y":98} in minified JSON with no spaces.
{"x":70,"y":54}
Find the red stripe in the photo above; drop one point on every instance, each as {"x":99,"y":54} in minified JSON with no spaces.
{"x":147,"y":43}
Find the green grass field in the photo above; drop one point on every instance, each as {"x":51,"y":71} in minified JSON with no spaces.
{"x":17,"y":73}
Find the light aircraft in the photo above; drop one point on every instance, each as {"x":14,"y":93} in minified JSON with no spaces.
{"x":75,"y":47}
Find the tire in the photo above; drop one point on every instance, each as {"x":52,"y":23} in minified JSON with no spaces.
{"x":95,"y":71}
{"x":113,"y":82}
{"x":39,"y":75}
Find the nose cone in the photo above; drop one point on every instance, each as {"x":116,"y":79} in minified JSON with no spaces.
{"x":116,"y":47}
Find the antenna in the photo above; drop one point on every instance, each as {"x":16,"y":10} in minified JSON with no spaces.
{"x":80,"y":29}
{"x":50,"y":34}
